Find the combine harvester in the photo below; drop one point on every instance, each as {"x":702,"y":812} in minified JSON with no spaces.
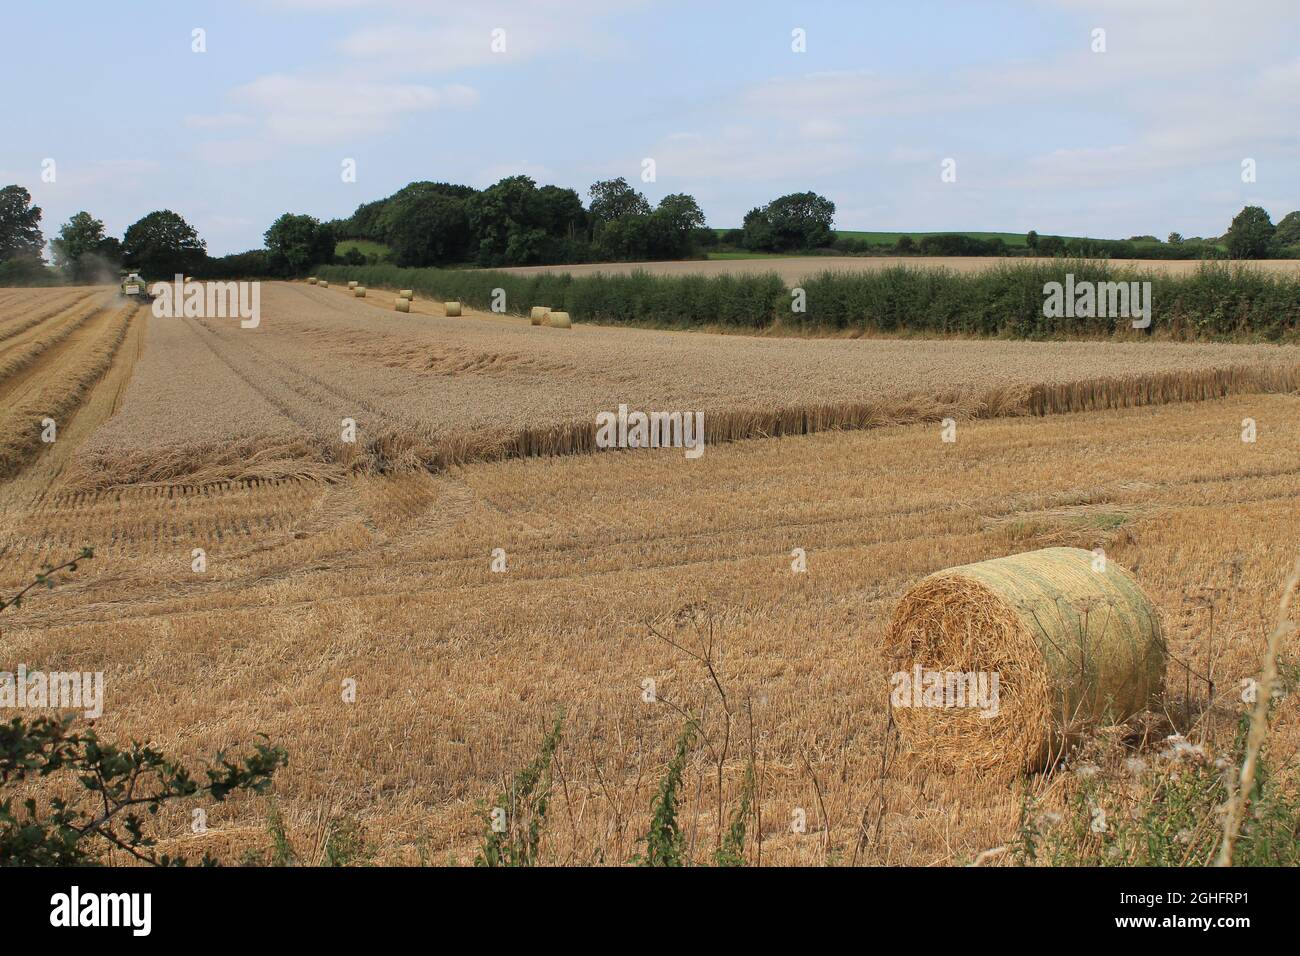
{"x":134,"y":287}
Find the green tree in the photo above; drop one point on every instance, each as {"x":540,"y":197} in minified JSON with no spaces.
{"x":1175,"y":239}
{"x":681,"y":212}
{"x":295,"y":243}
{"x":364,"y":223}
{"x":560,"y":211}
{"x":1251,"y":234}
{"x":78,"y":236}
{"x":613,"y":199}
{"x":425,"y":225}
{"x":503,"y":219}
{"x":163,"y":244}
{"x":20,"y":225}
{"x":757,"y":231}
{"x":794,"y":221}
{"x":82,"y":249}
{"x":1288,"y":230}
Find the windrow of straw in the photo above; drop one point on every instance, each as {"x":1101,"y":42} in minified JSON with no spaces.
{"x":1072,"y":639}
{"x":61,"y":390}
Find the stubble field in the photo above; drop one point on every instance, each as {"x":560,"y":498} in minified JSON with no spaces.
{"x":374,"y":565}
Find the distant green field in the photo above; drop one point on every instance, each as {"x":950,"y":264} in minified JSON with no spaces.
{"x":891,"y":238}
{"x":748,"y":255}
{"x":364,"y":246}
{"x":1014,"y":240}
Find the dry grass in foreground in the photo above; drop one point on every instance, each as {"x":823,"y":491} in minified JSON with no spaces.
{"x":460,"y":670}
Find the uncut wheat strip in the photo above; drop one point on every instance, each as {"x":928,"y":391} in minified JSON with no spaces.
{"x":61,"y":392}
{"x":1161,"y":388}
{"x":437,"y":450}
{"x":740,"y":424}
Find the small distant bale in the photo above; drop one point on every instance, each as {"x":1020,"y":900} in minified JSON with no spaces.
{"x":453,"y":308}
{"x":402,"y":305}
{"x":311,"y":280}
{"x":406,"y":293}
{"x":538,"y":314}
{"x":359,"y":292}
{"x":352,"y":283}
{"x":324,"y":283}
{"x":558,"y":320}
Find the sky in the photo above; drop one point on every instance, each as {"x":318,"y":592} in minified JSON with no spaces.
{"x":1045,"y":132}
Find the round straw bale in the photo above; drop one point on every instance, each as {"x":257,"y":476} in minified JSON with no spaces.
{"x":1073,"y":641}
{"x":452,"y":308}
{"x":558,"y":320}
{"x":311,"y":280}
{"x":406,"y":293}
{"x":352,"y":283}
{"x":325,"y":283}
{"x":403,"y":305}
{"x":359,"y":292}
{"x":537,"y":316}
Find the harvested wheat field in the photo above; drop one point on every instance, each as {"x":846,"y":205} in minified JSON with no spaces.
{"x":388,"y":582}
{"x":471,"y":602}
{"x":211,"y":401}
{"x":792,"y":269}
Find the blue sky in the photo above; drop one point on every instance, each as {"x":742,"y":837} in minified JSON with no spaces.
{"x":1147,"y":137}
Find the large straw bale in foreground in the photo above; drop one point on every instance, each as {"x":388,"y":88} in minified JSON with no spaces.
{"x":451,"y":308}
{"x":537,"y":316}
{"x":1073,"y":648}
{"x":402,"y":305}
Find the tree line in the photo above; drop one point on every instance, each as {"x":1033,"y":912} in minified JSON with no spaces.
{"x":516,"y":222}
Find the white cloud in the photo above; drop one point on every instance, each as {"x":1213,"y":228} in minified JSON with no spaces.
{"x":319,"y":109}
{"x":454,"y":37}
{"x":744,"y":153}
{"x":75,"y":182}
{"x":216,"y":120}
{"x":851,"y":93}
